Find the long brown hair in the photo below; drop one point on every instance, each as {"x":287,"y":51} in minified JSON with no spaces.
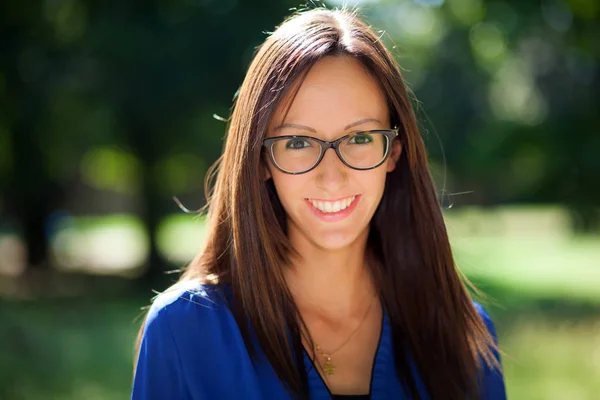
{"x":430,"y":311}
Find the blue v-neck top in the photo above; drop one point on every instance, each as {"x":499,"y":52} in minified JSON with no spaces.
{"x":192,"y":348}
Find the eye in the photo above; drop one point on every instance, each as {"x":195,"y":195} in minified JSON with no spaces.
{"x":361,"y":138}
{"x":297,"y":144}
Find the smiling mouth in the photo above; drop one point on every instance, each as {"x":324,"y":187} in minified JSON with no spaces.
{"x":331,"y":207}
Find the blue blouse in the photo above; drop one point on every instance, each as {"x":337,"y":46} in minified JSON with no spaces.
{"x":192,"y":349}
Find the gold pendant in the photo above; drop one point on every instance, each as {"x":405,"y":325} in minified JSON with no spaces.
{"x":328,"y":367}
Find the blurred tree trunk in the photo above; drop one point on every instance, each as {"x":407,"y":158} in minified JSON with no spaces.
{"x":141,"y":137}
{"x":155,"y":276}
{"x":32,"y":194}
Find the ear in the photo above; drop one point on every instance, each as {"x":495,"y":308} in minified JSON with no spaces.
{"x":266,"y":170}
{"x":395,"y":156}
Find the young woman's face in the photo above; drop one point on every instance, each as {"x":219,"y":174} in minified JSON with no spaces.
{"x":332,"y":205}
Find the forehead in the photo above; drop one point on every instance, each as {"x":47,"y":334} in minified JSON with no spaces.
{"x":337,"y":91}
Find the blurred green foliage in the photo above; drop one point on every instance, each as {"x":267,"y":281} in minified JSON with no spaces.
{"x":107,"y":110}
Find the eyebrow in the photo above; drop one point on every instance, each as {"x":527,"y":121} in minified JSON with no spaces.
{"x":308,"y":128}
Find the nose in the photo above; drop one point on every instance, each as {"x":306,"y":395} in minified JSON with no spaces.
{"x":332,"y":174}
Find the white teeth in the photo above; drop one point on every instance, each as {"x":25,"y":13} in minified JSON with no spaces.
{"x":332,"y":207}
{"x":337,"y":206}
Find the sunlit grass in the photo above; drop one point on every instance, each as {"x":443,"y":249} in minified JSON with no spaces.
{"x":552,"y":266}
{"x":552,"y":360}
{"x":526,"y":249}
{"x":180,"y":237}
{"x":67,"y":350}
{"x":103,"y":245}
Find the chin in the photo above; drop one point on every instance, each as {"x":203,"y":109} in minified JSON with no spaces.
{"x":334,"y":241}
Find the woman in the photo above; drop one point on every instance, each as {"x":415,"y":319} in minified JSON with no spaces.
{"x":327,"y":271}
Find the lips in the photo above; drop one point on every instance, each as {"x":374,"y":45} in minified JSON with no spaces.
{"x":331,"y":207}
{"x":333,"y":210}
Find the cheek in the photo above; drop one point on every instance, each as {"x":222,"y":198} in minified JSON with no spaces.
{"x":374,"y":183}
{"x":288,"y":189}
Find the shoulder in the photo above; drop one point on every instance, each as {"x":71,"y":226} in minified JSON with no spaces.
{"x":187,"y":307}
{"x":483,"y":314}
{"x":493,"y":387}
{"x":485,"y":317}
{"x":186,"y":323}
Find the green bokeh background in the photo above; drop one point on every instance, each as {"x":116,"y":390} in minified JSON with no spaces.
{"x":108,"y":109}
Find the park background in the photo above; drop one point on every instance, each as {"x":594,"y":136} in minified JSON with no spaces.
{"x":109,"y":109}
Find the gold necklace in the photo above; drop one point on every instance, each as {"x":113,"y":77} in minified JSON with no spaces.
{"x":328,"y":367}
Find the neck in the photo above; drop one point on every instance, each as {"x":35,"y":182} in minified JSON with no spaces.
{"x":330,"y":282}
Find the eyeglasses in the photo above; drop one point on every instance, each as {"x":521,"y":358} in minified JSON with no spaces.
{"x":297,"y":155}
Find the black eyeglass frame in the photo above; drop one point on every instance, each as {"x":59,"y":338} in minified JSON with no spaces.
{"x":391,"y":134}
